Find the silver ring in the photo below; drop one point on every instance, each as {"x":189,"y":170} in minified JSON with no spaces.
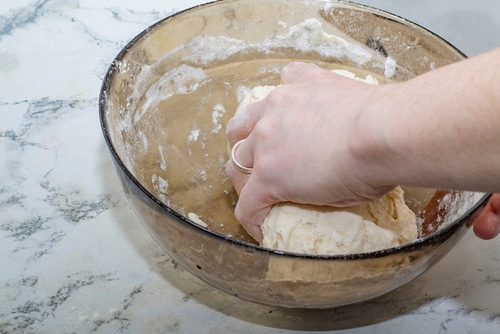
{"x":240,"y":167}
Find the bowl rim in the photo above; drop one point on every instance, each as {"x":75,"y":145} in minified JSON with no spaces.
{"x":417,"y":244}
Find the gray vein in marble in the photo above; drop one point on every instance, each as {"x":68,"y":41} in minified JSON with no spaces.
{"x":22,"y":318}
{"x":71,"y":205}
{"x":119,"y":314}
{"x":40,"y":228}
{"x":119,"y":15}
{"x":20,"y":18}
{"x":38,"y":113}
{"x":24,"y":229}
{"x":133,"y":16}
{"x":11,"y":200}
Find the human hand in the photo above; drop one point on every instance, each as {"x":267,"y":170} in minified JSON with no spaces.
{"x":299,"y":142}
{"x":486,"y":224}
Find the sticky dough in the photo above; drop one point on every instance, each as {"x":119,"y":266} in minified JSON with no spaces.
{"x":381,"y":224}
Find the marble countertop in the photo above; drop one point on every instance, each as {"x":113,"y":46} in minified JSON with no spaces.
{"x":74,"y":257}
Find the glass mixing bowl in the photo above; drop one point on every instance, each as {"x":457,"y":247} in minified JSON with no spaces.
{"x":164,"y":104}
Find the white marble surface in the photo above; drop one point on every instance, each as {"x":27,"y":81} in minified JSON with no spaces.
{"x":73,"y":256}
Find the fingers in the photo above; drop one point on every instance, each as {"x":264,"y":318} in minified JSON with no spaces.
{"x":250,"y":210}
{"x":244,"y":168}
{"x":248,"y":217}
{"x":238,"y":179}
{"x":487,"y":224}
{"x":243,"y":123}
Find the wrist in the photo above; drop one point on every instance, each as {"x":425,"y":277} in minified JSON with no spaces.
{"x":373,"y":156}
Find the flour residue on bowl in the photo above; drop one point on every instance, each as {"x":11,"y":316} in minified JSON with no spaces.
{"x":310,"y":35}
{"x":160,"y":186}
{"x":187,"y":73}
{"x":183,"y":79}
{"x":217,"y":113}
{"x":444,"y":208}
{"x":193,"y":135}
{"x":179,"y":103}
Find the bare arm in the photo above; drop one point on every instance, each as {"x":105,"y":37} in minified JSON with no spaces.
{"x":439,"y":130}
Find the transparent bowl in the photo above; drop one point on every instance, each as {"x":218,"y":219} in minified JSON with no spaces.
{"x":164,"y":104}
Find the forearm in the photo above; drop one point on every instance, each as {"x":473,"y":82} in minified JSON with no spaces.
{"x":438,"y":130}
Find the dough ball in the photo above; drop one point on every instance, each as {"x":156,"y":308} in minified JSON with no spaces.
{"x":380,"y":224}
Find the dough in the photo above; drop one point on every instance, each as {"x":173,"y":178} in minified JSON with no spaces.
{"x":381,"y":224}
{"x":195,"y":218}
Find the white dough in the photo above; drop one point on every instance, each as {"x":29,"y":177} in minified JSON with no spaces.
{"x":195,"y":218}
{"x":381,"y":224}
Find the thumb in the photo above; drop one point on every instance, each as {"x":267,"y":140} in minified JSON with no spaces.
{"x":487,"y":224}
